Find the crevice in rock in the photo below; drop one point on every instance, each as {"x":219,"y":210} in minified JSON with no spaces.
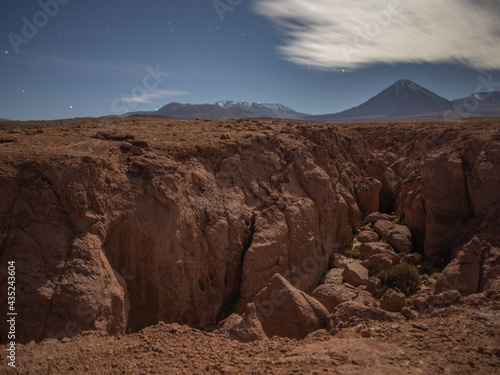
{"x":230,"y":304}
{"x":249,"y":239}
{"x":470,"y":207}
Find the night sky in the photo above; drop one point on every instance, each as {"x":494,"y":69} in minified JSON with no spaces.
{"x":75,"y":58}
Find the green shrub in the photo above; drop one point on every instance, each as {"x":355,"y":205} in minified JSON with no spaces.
{"x":403,"y":276}
{"x":354,"y":253}
{"x":418,"y":256}
{"x":398,"y":220}
{"x":435,"y":275}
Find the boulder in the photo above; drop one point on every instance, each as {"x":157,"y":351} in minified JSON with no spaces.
{"x":444,"y":299}
{"x":334,"y":276}
{"x":463,"y":272}
{"x":410,"y":259}
{"x":338,"y":261}
{"x":288,"y":312}
{"x":368,"y":236}
{"x":246,"y":328}
{"x":381,"y":226}
{"x":380,"y":262}
{"x":372,"y":285}
{"x":393,"y":300}
{"x":355,"y":274}
{"x":425,"y":301}
{"x":368,"y":226}
{"x":351,"y":312}
{"x":408,"y":313}
{"x":368,"y":192}
{"x":376,"y":216}
{"x":365,"y":298}
{"x":331,"y":295}
{"x":399,"y":236}
{"x":366,"y":250}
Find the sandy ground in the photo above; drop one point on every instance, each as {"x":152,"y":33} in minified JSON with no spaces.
{"x":460,"y":339}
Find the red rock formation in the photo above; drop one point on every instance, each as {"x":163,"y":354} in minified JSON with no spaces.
{"x":350,"y":312}
{"x":380,"y":262}
{"x":368,"y":193}
{"x":331,"y":295}
{"x":393,"y":300}
{"x":379,"y":169}
{"x":110,"y":236}
{"x":447,"y":204}
{"x":355,"y":274}
{"x":175,"y":232}
{"x":399,"y":236}
{"x":288,"y":312}
{"x":464,"y":272}
{"x":368,"y":236}
{"x":246,"y":328}
{"x":366,"y":250}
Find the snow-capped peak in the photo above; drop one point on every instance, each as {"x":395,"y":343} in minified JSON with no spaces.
{"x":263,"y":109}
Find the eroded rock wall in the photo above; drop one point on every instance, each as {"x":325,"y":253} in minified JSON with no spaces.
{"x":110,"y":240}
{"x":446,"y":180}
{"x":116,"y":226}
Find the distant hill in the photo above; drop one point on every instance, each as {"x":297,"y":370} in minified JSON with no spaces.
{"x":204,"y":111}
{"x":404,"y":100}
{"x":479,"y":103}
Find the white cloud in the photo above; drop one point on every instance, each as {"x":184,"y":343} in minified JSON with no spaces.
{"x":333,"y":34}
{"x":150,"y":96}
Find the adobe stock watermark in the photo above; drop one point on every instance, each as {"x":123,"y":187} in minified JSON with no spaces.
{"x":40,"y":19}
{"x":372,"y":30}
{"x":224,"y":6}
{"x":140,"y":93}
{"x":468,"y":106}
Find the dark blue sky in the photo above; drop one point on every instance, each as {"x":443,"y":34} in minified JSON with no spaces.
{"x":93,"y":58}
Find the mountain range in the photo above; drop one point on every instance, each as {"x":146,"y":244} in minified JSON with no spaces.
{"x":404,"y":100}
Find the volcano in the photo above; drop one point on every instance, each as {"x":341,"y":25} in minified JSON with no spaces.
{"x":403,"y":100}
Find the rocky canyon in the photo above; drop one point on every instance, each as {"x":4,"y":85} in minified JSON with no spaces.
{"x":149,"y":228}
